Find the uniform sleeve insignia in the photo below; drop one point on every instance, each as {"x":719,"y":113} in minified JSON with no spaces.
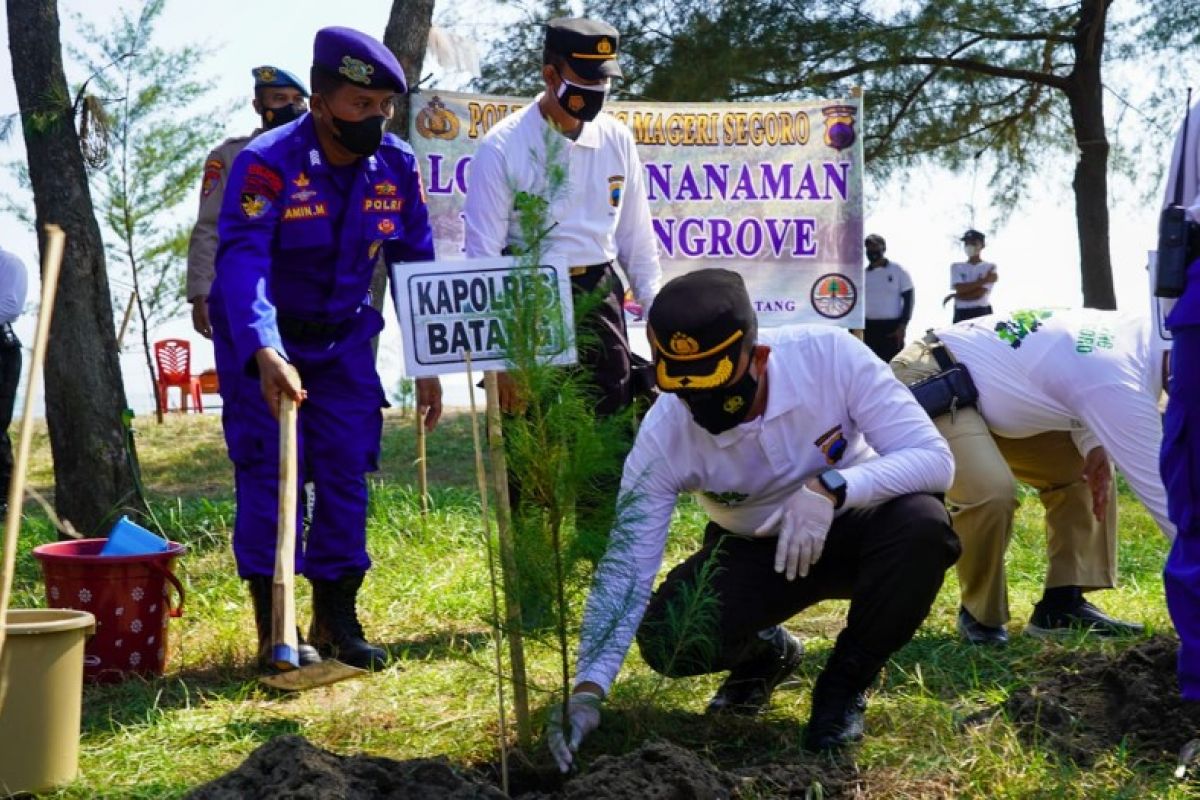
{"x":832,"y":444}
{"x":387,"y":227}
{"x":301,"y":181}
{"x":385,"y":189}
{"x":357,"y":71}
{"x":616,"y":184}
{"x":254,"y":205}
{"x":212,"y":176}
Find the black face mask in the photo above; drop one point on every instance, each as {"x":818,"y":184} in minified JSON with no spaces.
{"x":581,"y":102}
{"x":361,"y":138}
{"x":725,"y":408}
{"x":274,"y":117}
{"x":873,"y":255}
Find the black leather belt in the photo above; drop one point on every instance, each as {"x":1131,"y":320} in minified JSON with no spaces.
{"x":941,"y":353}
{"x":307,"y":330}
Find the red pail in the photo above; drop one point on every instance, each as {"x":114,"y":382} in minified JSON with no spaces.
{"x":128,"y":596}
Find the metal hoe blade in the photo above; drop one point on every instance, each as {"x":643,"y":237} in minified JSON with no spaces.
{"x":310,"y":677}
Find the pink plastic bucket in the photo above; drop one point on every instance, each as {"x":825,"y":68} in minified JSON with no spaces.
{"x":128,"y":596}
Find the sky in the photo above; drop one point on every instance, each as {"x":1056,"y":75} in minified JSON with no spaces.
{"x":921,"y":215}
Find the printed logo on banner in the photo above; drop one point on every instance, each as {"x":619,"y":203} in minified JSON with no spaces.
{"x":833,"y":295}
{"x":839,"y":126}
{"x":435,"y":121}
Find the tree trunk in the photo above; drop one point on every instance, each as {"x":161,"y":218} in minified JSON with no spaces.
{"x":407,"y":35}
{"x":1085,"y":96}
{"x":85,"y":397}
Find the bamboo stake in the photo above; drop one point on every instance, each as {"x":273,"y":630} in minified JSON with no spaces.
{"x":491,"y":562}
{"x":125,"y":321}
{"x":422,"y":473}
{"x":508,"y":562}
{"x":51,"y":264}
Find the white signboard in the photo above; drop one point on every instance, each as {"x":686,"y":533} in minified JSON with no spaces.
{"x":450,"y":308}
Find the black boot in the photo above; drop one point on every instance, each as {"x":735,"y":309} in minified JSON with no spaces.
{"x":750,"y":684}
{"x":335,"y":627}
{"x":260,"y":593}
{"x":839,"y":698}
{"x":1062,"y":611}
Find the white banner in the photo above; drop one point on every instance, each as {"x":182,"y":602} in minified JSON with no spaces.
{"x":450,"y":308}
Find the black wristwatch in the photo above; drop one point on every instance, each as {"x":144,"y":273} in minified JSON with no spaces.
{"x":832,"y":481}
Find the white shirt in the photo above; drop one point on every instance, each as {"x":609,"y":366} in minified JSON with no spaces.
{"x":884,"y":285}
{"x":13,"y":287}
{"x":600,"y":214}
{"x":1191,"y":166}
{"x":1084,"y":371}
{"x":830,"y":402}
{"x":966,"y":272}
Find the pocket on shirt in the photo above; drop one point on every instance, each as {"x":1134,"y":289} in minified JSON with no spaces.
{"x":305,"y":234}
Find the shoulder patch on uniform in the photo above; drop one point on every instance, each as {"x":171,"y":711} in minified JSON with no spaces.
{"x":254,"y":205}
{"x":212,"y":176}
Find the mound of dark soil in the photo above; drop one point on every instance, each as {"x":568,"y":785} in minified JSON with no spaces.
{"x":1098,"y":699}
{"x":291,"y":767}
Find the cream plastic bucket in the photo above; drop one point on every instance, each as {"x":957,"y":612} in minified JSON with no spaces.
{"x":41,"y":697}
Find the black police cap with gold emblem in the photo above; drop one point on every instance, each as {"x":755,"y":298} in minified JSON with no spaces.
{"x":589,"y":46}
{"x":699,"y":325}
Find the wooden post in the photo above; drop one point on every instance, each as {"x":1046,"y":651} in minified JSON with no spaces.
{"x":125,"y":326}
{"x":497,"y":635}
{"x":52,"y":262}
{"x":508,"y":561}
{"x":422,"y":474}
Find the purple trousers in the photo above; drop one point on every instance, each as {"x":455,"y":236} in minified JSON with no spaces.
{"x":339,"y":429}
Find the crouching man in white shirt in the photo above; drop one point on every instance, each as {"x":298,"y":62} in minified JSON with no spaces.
{"x":817,"y":469}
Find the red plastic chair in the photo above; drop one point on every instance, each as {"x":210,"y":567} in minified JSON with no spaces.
{"x":174,"y":358}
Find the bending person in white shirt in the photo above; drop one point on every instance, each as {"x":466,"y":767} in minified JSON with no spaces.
{"x":1061,"y":394}
{"x":817,"y":469}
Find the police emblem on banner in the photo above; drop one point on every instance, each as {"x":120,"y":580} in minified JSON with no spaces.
{"x":435,"y":121}
{"x":833,"y":295}
{"x":616,"y":184}
{"x":832,"y":444}
{"x":839,"y":126}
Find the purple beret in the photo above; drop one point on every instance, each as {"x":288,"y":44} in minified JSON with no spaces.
{"x":357,"y":58}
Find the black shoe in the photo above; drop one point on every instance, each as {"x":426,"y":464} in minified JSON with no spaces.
{"x":976,"y":632}
{"x":837,"y":715}
{"x":749,"y":686}
{"x":335,"y":630}
{"x":1064,"y":618}
{"x":260,"y":593}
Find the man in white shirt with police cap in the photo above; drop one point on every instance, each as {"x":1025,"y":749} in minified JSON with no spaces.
{"x":599,"y":215}
{"x":1061,"y":396}
{"x":817,"y":470}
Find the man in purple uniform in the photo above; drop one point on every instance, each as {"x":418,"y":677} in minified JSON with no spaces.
{"x":309,"y":207}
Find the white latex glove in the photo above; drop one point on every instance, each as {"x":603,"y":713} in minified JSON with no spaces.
{"x":803,"y":521}
{"x":584,"y":717}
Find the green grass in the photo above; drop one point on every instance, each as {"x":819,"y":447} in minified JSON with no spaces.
{"x":427,"y":599}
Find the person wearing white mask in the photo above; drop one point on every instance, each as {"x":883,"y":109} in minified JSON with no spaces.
{"x":972,"y":280}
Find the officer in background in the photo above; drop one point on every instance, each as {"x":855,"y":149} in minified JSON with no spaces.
{"x":1061,"y":396}
{"x":1180,"y":458}
{"x":972,"y":280}
{"x":815,"y":467}
{"x":13,"y":287}
{"x":889,"y":292}
{"x":279,"y":98}
{"x":310,"y":207}
{"x":600,"y":216}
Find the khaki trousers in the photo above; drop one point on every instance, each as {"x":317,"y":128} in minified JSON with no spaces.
{"x":1080,"y":551}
